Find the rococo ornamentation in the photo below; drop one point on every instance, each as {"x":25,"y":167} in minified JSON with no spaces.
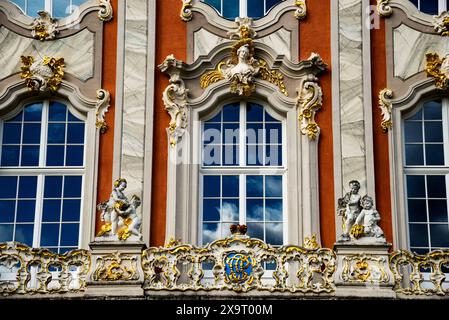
{"x":44,"y":27}
{"x":360,"y":218}
{"x":106,"y":12}
{"x":186,"y":11}
{"x":441,"y":23}
{"x":175,"y":99}
{"x":237,"y":265}
{"x":383,"y":8}
{"x":121,"y":217}
{"x":311,"y":243}
{"x":386,"y":107}
{"x":27,"y":270}
{"x":364,"y":268}
{"x":301,"y":11}
{"x":116,"y":266}
{"x":438,"y":68}
{"x":309,"y":101}
{"x":103,"y":103}
{"x":43,"y":74}
{"x":409,"y":268}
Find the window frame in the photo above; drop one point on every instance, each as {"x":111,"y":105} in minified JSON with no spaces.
{"x":48,"y":6}
{"x":243,"y":170}
{"x":243,"y":8}
{"x":442,"y":6}
{"x":42,"y":170}
{"x":425,"y":170}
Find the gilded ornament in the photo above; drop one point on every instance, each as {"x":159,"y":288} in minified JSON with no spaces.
{"x":272,"y":76}
{"x":42,"y":75}
{"x":357,"y":231}
{"x":212,"y":76}
{"x":362,"y":268}
{"x":386,"y":107}
{"x":309,"y":101}
{"x":116,"y":266}
{"x":173,"y":243}
{"x":441,"y":24}
{"x":106,"y":12}
{"x":301,"y":11}
{"x":311,"y":243}
{"x":186,"y":11}
{"x":383,"y":8}
{"x":102,"y":107}
{"x":438,"y":68}
{"x":44,"y":27}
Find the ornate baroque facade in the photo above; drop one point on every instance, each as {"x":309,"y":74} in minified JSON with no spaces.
{"x":238,"y":148}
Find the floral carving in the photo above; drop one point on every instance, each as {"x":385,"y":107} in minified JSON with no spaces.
{"x":441,"y":23}
{"x":116,"y":266}
{"x":301,"y":11}
{"x":438,"y":68}
{"x":43,"y":74}
{"x":309,"y":101}
{"x":44,"y":27}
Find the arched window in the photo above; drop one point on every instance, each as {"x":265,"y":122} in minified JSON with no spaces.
{"x":433,"y":7}
{"x":42,"y":170}
{"x":426,"y":169}
{"x":58,"y":8}
{"x":230,"y":9}
{"x":243,"y":173}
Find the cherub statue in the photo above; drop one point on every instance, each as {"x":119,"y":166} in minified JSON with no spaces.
{"x":119,"y":214}
{"x":349,"y":208}
{"x":369,"y":219}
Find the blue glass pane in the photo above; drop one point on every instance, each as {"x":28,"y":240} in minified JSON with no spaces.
{"x":274,"y":233}
{"x":230,"y":9}
{"x":230,"y":154}
{"x":6,"y":232}
{"x":434,"y":154}
{"x":51,"y":211}
{"x":254,"y":133}
{"x":11,"y":132}
{"x":211,"y":210}
{"x":413,"y":131}
{"x":71,"y":210}
{"x":30,"y":156}
{"x":20,"y":3}
{"x":73,"y":118}
{"x":230,"y":186}
{"x":70,"y":234}
{"x":72,"y":186}
{"x":75,"y":133}
{"x":10,"y":191}
{"x":61,"y":8}
{"x":439,"y":235}
{"x":53,"y":187}
{"x":417,"y":115}
{"x":10,"y":156}
{"x":212,"y":133}
{"x":214,"y":3}
{"x":31,"y":133}
{"x":254,"y":210}
{"x":414,"y":155}
{"x":255,"y":230}
{"x":230,"y":210}
{"x":269,"y":118}
{"x":75,"y":156}
{"x":273,"y":155}
{"x":433,"y":131}
{"x":24,"y":234}
{"x":417,"y":211}
{"x":429,"y":6}
{"x":230,"y":133}
{"x":254,"y":155}
{"x":33,"y":112}
{"x":254,"y":186}
{"x":418,"y":235}
{"x":415,"y":2}
{"x":216,"y":118}
{"x":231,"y":112}
{"x":56,"y":133}
{"x":415,"y":187}
{"x":254,"y":112}
{"x":273,"y":186}
{"x":271,"y":3}
{"x":273,"y":133}
{"x":49,"y":234}
{"x":7,"y":209}
{"x":255,"y":8}
{"x":27,"y":187}
{"x":433,"y":110}
{"x":211,"y":186}
{"x":211,"y":232}
{"x":211,"y":155}
{"x":57,"y":112}
{"x":438,"y":210}
{"x":34,"y":6}
{"x":273,"y":210}
{"x":436,"y":187}
{"x":55,"y":155}
{"x":26,"y":210}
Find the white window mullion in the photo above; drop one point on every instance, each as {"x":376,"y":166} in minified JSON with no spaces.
{"x":1,"y":139}
{"x":242,"y":162}
{"x":441,"y":6}
{"x":49,"y":6}
{"x":38,"y":212}
{"x":243,"y":8}
{"x":242,"y":215}
{"x":44,"y":134}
